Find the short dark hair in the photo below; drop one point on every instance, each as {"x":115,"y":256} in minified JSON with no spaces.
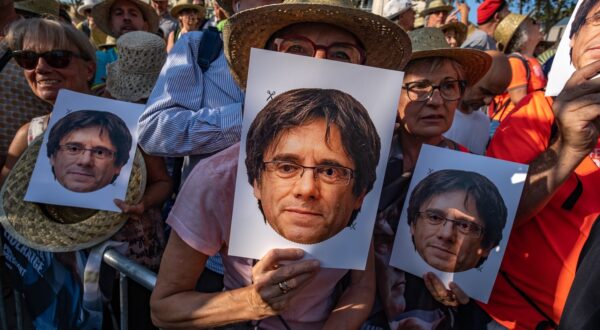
{"x":580,"y":15}
{"x":488,"y":201}
{"x":115,"y":127}
{"x":500,"y":8}
{"x":301,"y":106}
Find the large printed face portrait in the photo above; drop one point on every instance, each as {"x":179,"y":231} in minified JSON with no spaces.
{"x":585,"y":34}
{"x":87,"y":149}
{"x":308,"y":174}
{"x":456,"y":218}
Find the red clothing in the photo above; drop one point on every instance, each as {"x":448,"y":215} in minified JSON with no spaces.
{"x":542,"y":253}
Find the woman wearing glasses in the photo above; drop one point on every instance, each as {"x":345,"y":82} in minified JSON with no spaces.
{"x":434,"y":82}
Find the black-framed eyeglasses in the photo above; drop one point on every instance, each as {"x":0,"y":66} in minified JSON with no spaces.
{"x":337,"y":51}
{"x":98,"y":152}
{"x":594,"y":19}
{"x":465,"y":227}
{"x":422,"y":90}
{"x":330,"y":174}
{"x":57,"y":58}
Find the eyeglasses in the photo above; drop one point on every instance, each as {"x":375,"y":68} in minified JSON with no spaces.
{"x":98,"y":152}
{"x":594,"y":19}
{"x":58,"y":59}
{"x":465,"y":227}
{"x":337,"y":51}
{"x":421,"y":91}
{"x":330,"y":174}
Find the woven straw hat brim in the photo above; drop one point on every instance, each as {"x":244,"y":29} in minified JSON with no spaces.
{"x":387,"y":45}
{"x":226,"y":5}
{"x":83,"y":8}
{"x":428,"y":11}
{"x":30,"y":225}
{"x":176,"y":9}
{"x":506,"y":30}
{"x":476,"y":63}
{"x":129,"y":86}
{"x":39,"y":7}
{"x":101,"y":15}
{"x":459,"y":27}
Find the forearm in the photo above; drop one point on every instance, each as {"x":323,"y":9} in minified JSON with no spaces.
{"x":159,"y":185}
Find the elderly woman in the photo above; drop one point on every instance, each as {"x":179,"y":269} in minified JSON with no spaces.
{"x":56,"y":56}
{"x":280,"y":290}
{"x":190,"y":17}
{"x":434,"y":82}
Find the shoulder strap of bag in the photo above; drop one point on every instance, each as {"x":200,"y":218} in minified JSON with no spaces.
{"x":209,"y":48}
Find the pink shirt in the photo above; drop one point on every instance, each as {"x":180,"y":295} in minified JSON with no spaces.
{"x":201,"y":216}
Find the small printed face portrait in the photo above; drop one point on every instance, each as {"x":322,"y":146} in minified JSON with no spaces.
{"x":456,"y":218}
{"x":308,"y":176}
{"x":87,"y":150}
{"x":585,"y":34}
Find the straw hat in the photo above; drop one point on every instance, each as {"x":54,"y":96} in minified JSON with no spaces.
{"x":506,"y":30}
{"x":460,"y":28}
{"x":39,"y":7}
{"x":419,"y":18}
{"x":430,"y":42}
{"x":109,"y":42}
{"x":187,"y":4}
{"x":60,"y":228}
{"x":87,"y":4}
{"x":436,"y":5}
{"x":395,"y":8}
{"x":101,"y":15}
{"x":226,"y":5}
{"x":134,"y":74}
{"x":386,"y":44}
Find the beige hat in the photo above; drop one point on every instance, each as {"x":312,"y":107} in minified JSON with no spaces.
{"x":430,"y":42}
{"x":101,"y":15}
{"x":87,"y":4}
{"x":141,"y":57}
{"x":460,"y":28}
{"x":386,"y":44}
{"x":506,"y":30}
{"x":39,"y":7}
{"x":436,"y":5}
{"x":187,"y":4}
{"x":59,"y":228}
{"x":419,"y":19}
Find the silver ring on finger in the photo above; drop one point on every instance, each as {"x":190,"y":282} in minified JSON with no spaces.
{"x":283,"y":287}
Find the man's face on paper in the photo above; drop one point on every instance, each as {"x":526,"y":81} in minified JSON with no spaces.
{"x":306,"y":205}
{"x":85,"y":160}
{"x":585,"y":45}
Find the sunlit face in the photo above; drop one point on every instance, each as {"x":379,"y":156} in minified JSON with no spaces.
{"x":304,"y":209}
{"x":189,"y":19}
{"x":85,"y":172}
{"x":427,"y":119}
{"x":451,"y":38}
{"x":443,"y":246}
{"x":585,"y":45}
{"x":45,"y":80}
{"x":436,"y":19}
{"x":125,"y":17}
{"x":534,"y":34}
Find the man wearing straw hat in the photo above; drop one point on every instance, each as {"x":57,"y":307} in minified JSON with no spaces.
{"x":280,"y":290}
{"x":436,"y":12}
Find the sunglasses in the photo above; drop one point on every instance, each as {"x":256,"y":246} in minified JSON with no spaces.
{"x":58,"y":59}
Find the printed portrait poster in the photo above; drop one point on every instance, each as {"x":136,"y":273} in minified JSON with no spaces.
{"x":457,"y":218}
{"x":575,"y":51}
{"x":87,"y":152}
{"x":310,"y":180}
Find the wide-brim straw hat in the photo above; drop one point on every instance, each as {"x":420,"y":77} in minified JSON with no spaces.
{"x":436,"y":5}
{"x":430,"y":42}
{"x":87,"y":4}
{"x":60,"y":228}
{"x":506,"y":30}
{"x":386,"y":44}
{"x":133,"y":75}
{"x":101,"y":15}
{"x":39,"y":7}
{"x":226,"y":5}
{"x":187,"y":4}
{"x":460,"y":28}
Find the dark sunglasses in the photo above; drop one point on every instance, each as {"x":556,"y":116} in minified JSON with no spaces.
{"x":58,"y":59}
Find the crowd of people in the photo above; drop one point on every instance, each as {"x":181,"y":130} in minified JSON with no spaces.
{"x":471,"y":87}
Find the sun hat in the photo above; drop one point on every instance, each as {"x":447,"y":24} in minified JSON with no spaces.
{"x":386,"y":44}
{"x":133,"y":75}
{"x":87,"y":4}
{"x":506,"y":30}
{"x":59,"y":228}
{"x":436,"y":5}
{"x":487,"y":8}
{"x":430,"y":42}
{"x":419,"y":19}
{"x":101,"y":15}
{"x":395,"y":8}
{"x":226,"y":5}
{"x":39,"y":7}
{"x":187,"y":4}
{"x":460,"y":28}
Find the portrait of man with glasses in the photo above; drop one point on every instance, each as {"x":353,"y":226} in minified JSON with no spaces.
{"x":456,"y":218}
{"x":311,"y":159}
{"x":87,"y":149}
{"x":585,"y":33}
